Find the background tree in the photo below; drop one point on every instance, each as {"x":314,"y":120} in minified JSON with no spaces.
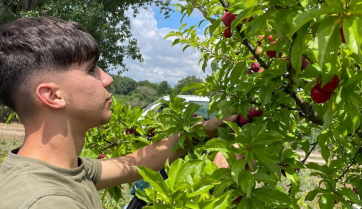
{"x":183,"y":82}
{"x":123,"y":85}
{"x":164,"y":88}
{"x":106,"y":20}
{"x":143,"y":96}
{"x":148,"y":84}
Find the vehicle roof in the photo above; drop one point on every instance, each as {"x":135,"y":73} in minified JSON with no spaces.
{"x":187,"y":98}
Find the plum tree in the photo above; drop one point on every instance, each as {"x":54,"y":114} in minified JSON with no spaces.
{"x":293,"y":103}
{"x":309,"y":37}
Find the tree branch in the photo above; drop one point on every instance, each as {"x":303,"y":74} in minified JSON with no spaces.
{"x":310,"y":151}
{"x":202,"y":11}
{"x":222,"y":3}
{"x":246,"y":43}
{"x":305,"y":107}
{"x":350,"y":165}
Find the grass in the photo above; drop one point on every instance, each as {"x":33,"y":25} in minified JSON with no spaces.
{"x":6,"y":145}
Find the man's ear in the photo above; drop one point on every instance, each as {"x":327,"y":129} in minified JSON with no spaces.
{"x":49,"y":94}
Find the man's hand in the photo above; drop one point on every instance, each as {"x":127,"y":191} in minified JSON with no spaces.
{"x":212,"y":124}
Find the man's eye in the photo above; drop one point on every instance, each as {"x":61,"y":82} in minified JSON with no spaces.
{"x":92,"y":70}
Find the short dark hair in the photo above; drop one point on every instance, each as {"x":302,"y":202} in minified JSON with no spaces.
{"x":38,"y":44}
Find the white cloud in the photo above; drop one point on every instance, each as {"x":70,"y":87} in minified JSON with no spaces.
{"x":161,"y":61}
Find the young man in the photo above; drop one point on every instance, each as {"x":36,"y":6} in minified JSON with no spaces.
{"x":49,"y":76}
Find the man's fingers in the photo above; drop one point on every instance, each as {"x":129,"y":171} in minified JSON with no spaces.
{"x":229,"y":118}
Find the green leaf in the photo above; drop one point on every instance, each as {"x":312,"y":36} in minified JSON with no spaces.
{"x":214,"y":9}
{"x":315,"y":166}
{"x":352,"y":30}
{"x":223,"y":201}
{"x":298,"y":47}
{"x":274,"y":169}
{"x":186,"y":169}
{"x":312,"y":194}
{"x":246,"y":182}
{"x":243,"y":204}
{"x":328,"y":119}
{"x":192,"y":85}
{"x":219,"y":145}
{"x":202,"y":186}
{"x":267,"y":137}
{"x":326,"y":201}
{"x":312,"y":71}
{"x":304,"y":145}
{"x":302,"y":18}
{"x":259,"y":22}
{"x":155,"y":180}
{"x":143,"y":196}
{"x":349,"y":194}
{"x":220,"y":188}
{"x":336,"y":5}
{"x":293,"y":177}
{"x":235,"y":127}
{"x":264,"y":155}
{"x":273,"y":196}
{"x":265,"y":94}
{"x":325,"y":153}
{"x":236,"y":168}
{"x":172,"y":173}
{"x":88,"y":153}
{"x":324,"y":35}
{"x":236,"y":72}
{"x":220,"y":173}
{"x":262,"y":177}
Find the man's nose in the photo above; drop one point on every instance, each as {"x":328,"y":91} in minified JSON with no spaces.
{"x":107,"y":80}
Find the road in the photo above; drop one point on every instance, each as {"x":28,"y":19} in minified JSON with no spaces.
{"x":12,"y":131}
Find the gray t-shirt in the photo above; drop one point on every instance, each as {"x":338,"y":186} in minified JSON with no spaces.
{"x":30,"y":183}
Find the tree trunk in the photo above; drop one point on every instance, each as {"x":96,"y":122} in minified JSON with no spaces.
{"x":30,"y":4}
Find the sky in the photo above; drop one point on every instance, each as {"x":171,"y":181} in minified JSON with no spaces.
{"x":161,"y":61}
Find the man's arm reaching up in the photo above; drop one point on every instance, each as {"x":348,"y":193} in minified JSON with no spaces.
{"x":116,"y":171}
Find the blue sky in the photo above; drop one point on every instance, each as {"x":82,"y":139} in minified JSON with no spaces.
{"x":161,"y":61}
{"x":174,"y":20}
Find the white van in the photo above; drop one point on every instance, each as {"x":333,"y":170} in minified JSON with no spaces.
{"x":202,"y":101}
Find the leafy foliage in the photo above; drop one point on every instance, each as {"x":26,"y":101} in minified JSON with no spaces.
{"x":326,"y":35}
{"x":164,"y":88}
{"x":183,"y":82}
{"x":106,"y":21}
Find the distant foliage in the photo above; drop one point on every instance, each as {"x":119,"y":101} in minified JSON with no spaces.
{"x":106,"y":20}
{"x":183,"y":82}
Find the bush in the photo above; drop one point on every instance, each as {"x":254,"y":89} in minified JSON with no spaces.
{"x":5,"y":112}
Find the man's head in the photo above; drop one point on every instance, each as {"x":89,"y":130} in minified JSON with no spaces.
{"x":36,"y":50}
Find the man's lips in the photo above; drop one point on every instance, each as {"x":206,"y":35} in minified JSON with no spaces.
{"x":109,"y":98}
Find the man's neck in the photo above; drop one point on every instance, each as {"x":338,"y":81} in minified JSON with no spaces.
{"x":58,"y":146}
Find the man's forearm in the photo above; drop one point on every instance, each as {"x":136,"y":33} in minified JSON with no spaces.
{"x":155,"y":155}
{"x":120,"y":170}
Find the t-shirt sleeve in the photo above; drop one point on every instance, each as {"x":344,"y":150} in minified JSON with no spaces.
{"x":93,"y":167}
{"x":57,"y":202}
